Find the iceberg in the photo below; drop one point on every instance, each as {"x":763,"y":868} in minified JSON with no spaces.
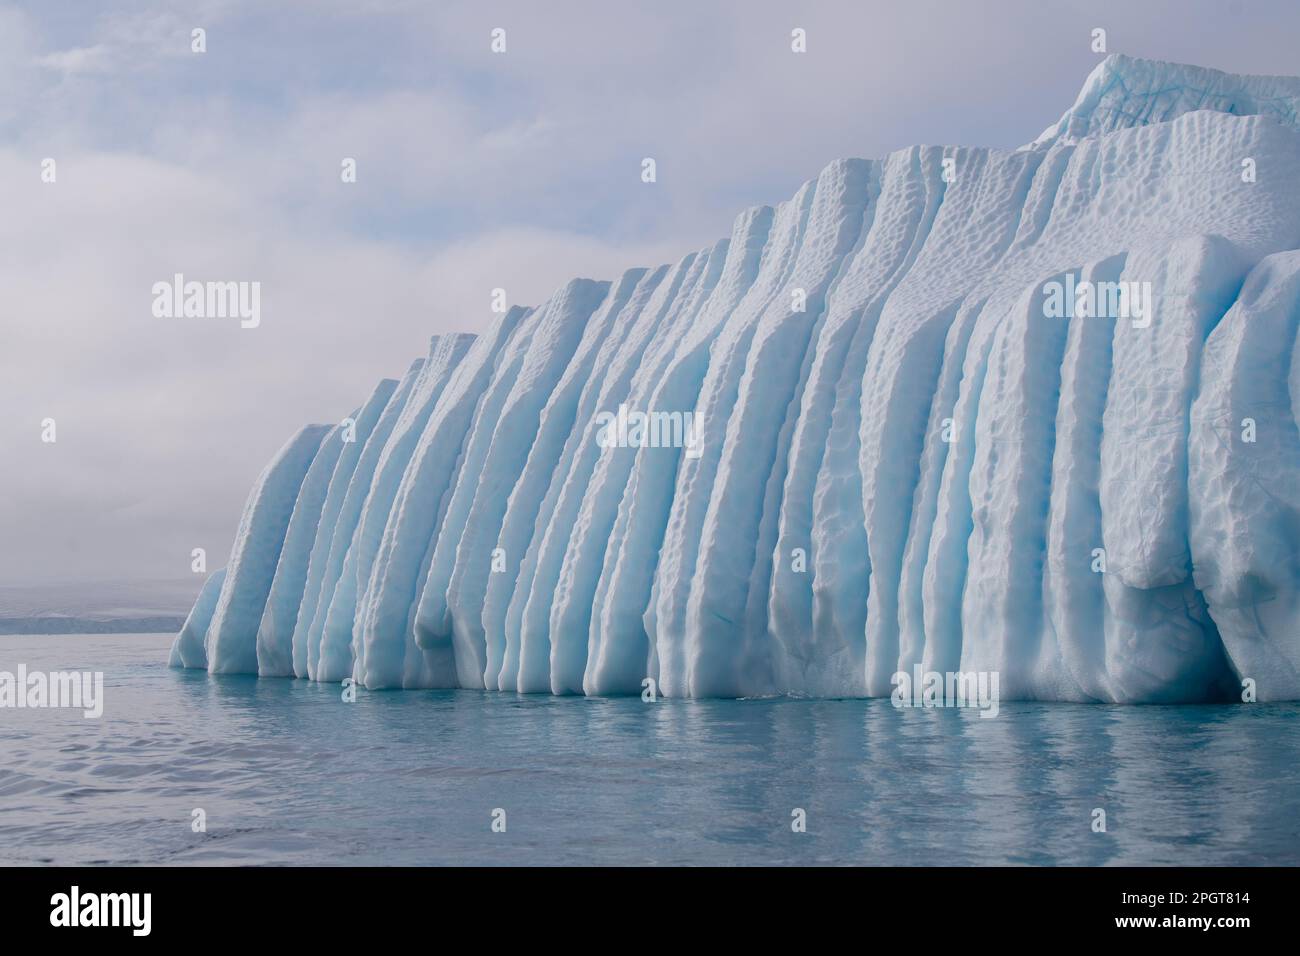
{"x":1026,"y":412}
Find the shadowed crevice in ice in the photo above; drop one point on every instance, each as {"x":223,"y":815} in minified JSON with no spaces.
{"x":333,"y":535}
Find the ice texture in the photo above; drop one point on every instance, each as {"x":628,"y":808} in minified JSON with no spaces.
{"x":189,"y":650}
{"x":231,"y":639}
{"x":902,"y":456}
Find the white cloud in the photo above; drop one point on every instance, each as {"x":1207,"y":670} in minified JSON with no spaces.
{"x":475,"y":171}
{"x":88,"y":59}
{"x":164,"y":423}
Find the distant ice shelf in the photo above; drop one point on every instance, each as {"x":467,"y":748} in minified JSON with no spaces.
{"x":902,"y":455}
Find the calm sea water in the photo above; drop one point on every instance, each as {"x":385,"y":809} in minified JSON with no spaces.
{"x":288,"y":773}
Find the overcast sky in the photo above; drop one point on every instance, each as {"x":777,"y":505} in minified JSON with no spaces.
{"x":474,"y":170}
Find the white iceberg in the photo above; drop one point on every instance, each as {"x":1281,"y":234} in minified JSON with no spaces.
{"x":907,"y":456}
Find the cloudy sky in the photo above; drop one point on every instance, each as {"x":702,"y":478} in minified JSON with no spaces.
{"x":475,"y":170}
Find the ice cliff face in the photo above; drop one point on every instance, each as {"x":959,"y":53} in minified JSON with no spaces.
{"x":891,"y":446}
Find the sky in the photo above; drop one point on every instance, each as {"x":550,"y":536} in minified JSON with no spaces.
{"x":475,"y":170}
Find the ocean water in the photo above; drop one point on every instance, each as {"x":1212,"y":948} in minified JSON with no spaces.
{"x":286,"y":772}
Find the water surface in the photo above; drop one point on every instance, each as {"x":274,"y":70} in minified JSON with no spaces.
{"x":286,"y":772}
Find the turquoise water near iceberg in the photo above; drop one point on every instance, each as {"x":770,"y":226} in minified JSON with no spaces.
{"x":286,"y":772}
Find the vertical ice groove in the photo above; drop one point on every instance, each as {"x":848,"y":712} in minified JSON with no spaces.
{"x":942,"y":433}
{"x":1245,"y":515}
{"x":1145,"y":425}
{"x":384,"y":616}
{"x":723,"y":660}
{"x":432,"y":623}
{"x":1161,"y":644}
{"x":504,"y":434}
{"x":695,"y":478}
{"x":1009,"y":487}
{"x":275,"y":635}
{"x":1020,"y":189}
{"x":558,"y":431}
{"x":528,"y":657}
{"x":563,"y":669}
{"x":554,"y":657}
{"x":445,"y":354}
{"x":974,"y":226}
{"x":809,"y":656}
{"x":944,"y":577}
{"x":620,"y":653}
{"x":332,"y":629}
{"x":770,"y":564}
{"x":1072,"y":580}
{"x":911,"y":197}
{"x":231,"y":641}
{"x":188,"y":650}
{"x":361,"y":424}
{"x":525,"y":665}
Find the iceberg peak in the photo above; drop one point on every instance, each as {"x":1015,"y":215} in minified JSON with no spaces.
{"x":1124,"y":91}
